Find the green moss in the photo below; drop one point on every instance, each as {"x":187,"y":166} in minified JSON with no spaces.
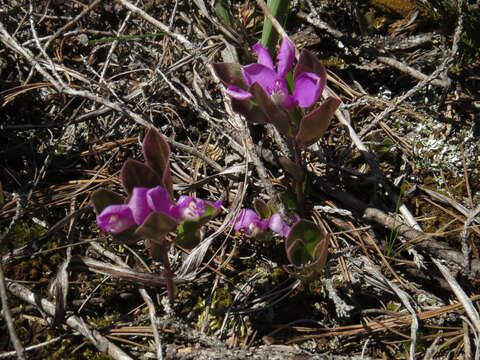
{"x":103,"y":320}
{"x":95,"y":355}
{"x":335,"y":62}
{"x":222,"y":300}
{"x":23,"y":232}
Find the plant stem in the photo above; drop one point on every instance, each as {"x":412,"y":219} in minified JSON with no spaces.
{"x":299,"y":190}
{"x":168,"y":274}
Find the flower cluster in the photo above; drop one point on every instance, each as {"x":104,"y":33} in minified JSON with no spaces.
{"x":254,"y":222}
{"x":143,"y":202}
{"x":307,"y":89}
{"x":149,"y":211}
{"x":261,"y":93}
{"x":249,"y":221}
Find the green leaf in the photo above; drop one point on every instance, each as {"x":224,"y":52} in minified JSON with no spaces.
{"x":102,"y":198}
{"x":307,"y":236}
{"x":223,"y":12}
{"x":290,"y":82}
{"x":157,"y":156}
{"x":137,"y":174}
{"x":315,"y":123}
{"x":321,"y":254}
{"x":189,"y":230}
{"x":289,"y":198}
{"x":279,"y":9}
{"x":296,"y":253}
{"x":189,"y":234}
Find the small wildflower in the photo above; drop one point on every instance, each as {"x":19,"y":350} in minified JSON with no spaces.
{"x":248,"y":221}
{"x":307,"y":89}
{"x":115,"y":218}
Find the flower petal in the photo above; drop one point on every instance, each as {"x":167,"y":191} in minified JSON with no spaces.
{"x":217,"y":204}
{"x":285,"y":57}
{"x":276,"y":223}
{"x":261,"y":74}
{"x":139,"y":205}
{"x":159,"y":200}
{"x":244,"y":218}
{"x":237,"y":93}
{"x":248,"y":221}
{"x":263,"y":56}
{"x":190,"y":208}
{"x":115,"y":218}
{"x":307,"y":89}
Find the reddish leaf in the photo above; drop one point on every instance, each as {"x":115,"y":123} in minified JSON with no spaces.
{"x":307,"y":62}
{"x":262,"y":209}
{"x":137,"y":174}
{"x":306,"y":245}
{"x":102,"y":198}
{"x":157,"y":155}
{"x":315,"y":123}
{"x":275,"y":114}
{"x":127,"y":236}
{"x":249,"y":110}
{"x":156,"y":227}
{"x":230,"y":74}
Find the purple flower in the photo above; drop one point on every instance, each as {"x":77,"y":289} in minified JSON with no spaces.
{"x":248,"y":221}
{"x":115,"y":218}
{"x":138,"y":204}
{"x":308,"y":86}
{"x":190,"y":208}
{"x":159,"y":201}
{"x":276,"y":224}
{"x":144,"y":201}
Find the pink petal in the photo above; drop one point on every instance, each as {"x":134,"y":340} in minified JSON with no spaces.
{"x":244,"y":218}
{"x":277,"y":224}
{"x":159,"y":200}
{"x":237,"y":93}
{"x":248,"y":221}
{"x":263,"y":56}
{"x":285,"y":57}
{"x":261,"y":74}
{"x":115,"y":218}
{"x":307,"y":89}
{"x":217,"y":204}
{"x":190,"y":208}
{"x":139,"y":205}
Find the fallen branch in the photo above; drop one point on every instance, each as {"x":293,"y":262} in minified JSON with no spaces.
{"x":425,"y":242}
